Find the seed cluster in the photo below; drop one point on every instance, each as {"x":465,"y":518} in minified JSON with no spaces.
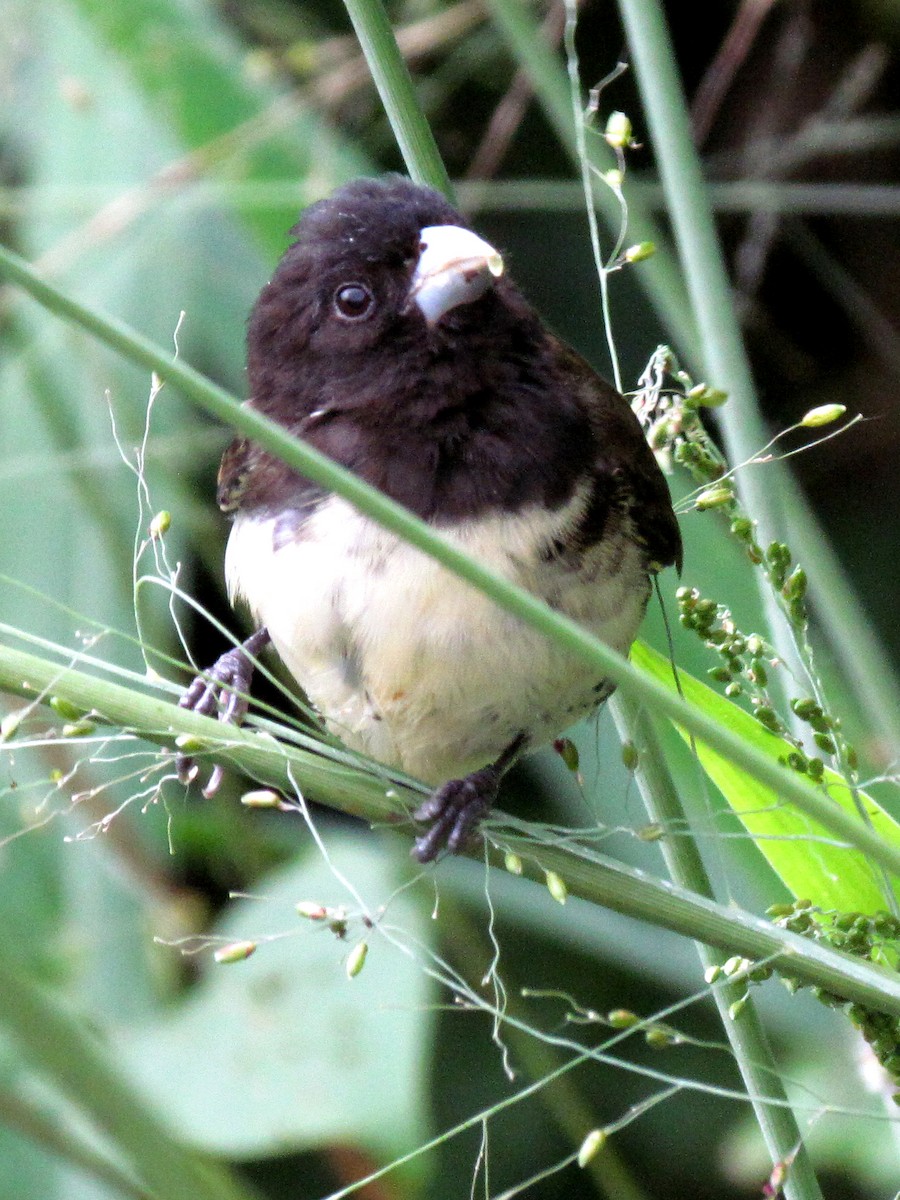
{"x":672,"y":419}
{"x":675,"y":430}
{"x":746,"y":662}
{"x":876,"y":939}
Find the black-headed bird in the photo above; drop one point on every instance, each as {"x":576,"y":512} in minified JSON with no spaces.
{"x":391,"y":339}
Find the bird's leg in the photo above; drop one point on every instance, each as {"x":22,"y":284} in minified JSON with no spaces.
{"x":455,"y":809}
{"x":224,"y":688}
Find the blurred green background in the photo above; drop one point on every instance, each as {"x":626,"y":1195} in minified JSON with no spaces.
{"x":153,"y":156}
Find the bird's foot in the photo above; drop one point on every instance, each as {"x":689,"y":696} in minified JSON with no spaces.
{"x":225,"y":689}
{"x":454,"y":811}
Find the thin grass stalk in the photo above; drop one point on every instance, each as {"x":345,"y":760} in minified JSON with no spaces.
{"x":373,"y":795}
{"x":663,"y":283}
{"x":36,"y":1123}
{"x":395,"y":87}
{"x":863,"y":660}
{"x":745,"y":1032}
{"x":573,"y":1112}
{"x":681,"y":855}
{"x":707,"y":279}
{"x":722,"y":347}
{"x":870,"y":673}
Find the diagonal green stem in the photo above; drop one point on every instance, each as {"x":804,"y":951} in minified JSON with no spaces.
{"x":565,"y":632}
{"x":682,"y":857}
{"x":374,"y":796}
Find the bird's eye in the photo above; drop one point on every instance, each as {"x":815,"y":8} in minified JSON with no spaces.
{"x":353,"y":301}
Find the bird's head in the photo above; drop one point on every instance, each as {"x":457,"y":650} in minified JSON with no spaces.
{"x":384,"y":280}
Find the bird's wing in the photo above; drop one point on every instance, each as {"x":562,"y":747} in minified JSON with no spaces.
{"x":625,"y":471}
{"x":251,"y":478}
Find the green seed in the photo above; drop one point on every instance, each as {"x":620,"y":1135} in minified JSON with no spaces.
{"x":796,"y":585}
{"x":235,"y":952}
{"x":77,"y":729}
{"x":618,"y":133}
{"x":735,"y":1009}
{"x":65,"y":709}
{"x":591,"y":1146}
{"x":160,"y":525}
{"x":261,"y":798}
{"x":714,"y":497}
{"x":356,"y":959}
{"x":568,"y":752}
{"x":712,"y":397}
{"x":659,"y":1038}
{"x":556,"y":886}
{"x":189,"y":743}
{"x":10,"y":724}
{"x":630,"y":756}
{"x":768,"y":717}
{"x":622,"y":1018}
{"x":639,"y":252}
{"x":823,"y":415}
{"x":651,"y":833}
{"x":513,"y":863}
{"x":760,"y":675}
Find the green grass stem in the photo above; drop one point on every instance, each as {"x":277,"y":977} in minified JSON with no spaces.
{"x":377,"y":798}
{"x":395,"y":87}
{"x":745,"y":1033}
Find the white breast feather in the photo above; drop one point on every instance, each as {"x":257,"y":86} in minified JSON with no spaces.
{"x":413,"y":665}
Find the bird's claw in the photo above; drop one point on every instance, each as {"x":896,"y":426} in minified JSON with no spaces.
{"x":454,"y":811}
{"x":223,"y":689}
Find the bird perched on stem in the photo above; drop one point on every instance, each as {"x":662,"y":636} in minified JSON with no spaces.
{"x":391,"y":338}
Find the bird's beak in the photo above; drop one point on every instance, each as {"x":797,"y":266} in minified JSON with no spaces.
{"x":455,"y":267}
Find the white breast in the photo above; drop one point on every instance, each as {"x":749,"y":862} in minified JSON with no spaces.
{"x":412,"y":665}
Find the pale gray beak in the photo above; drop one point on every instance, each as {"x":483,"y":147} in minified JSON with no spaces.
{"x":455,"y":267}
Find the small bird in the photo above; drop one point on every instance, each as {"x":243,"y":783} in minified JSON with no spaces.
{"x":391,"y":338}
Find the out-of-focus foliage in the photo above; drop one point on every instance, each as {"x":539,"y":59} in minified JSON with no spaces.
{"x":153,"y":156}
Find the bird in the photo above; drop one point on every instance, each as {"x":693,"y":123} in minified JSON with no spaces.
{"x":392,"y":338}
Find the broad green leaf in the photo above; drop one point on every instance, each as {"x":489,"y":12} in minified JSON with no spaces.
{"x":282,"y":1051}
{"x":801,"y":852}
